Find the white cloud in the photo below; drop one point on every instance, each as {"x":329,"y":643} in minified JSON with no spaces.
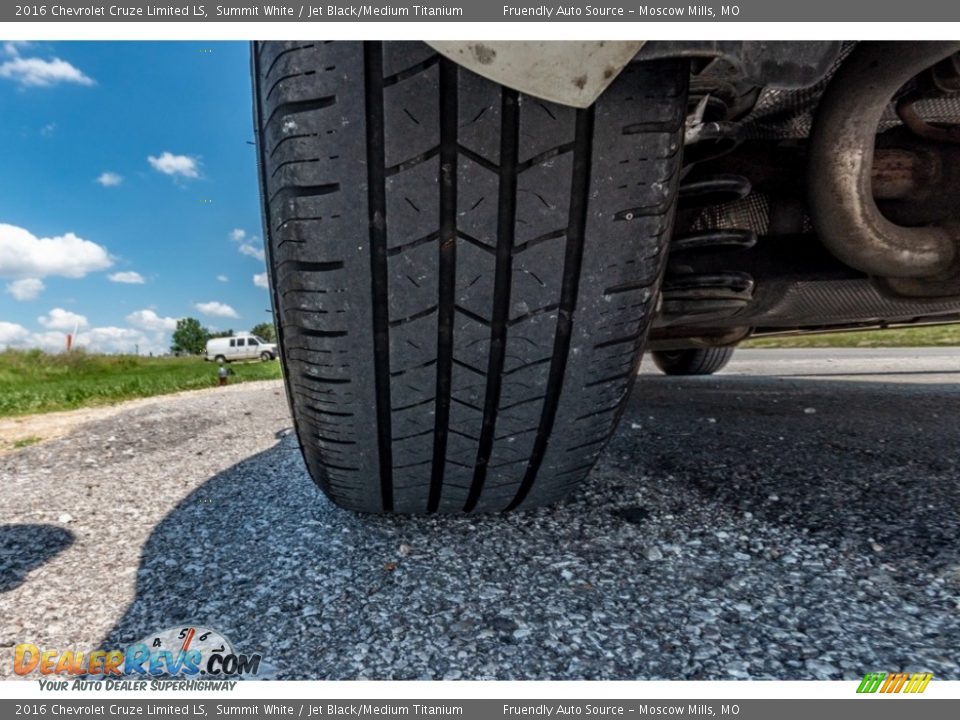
{"x":12,"y":335}
{"x":25,"y":288}
{"x":253,"y":251}
{"x":60,"y":319}
{"x":98,"y":339}
{"x":13,"y":47}
{"x":260,"y":280}
{"x":23,"y":255}
{"x":128,"y":276}
{"x":223,"y":278}
{"x":170,"y":164}
{"x":50,"y":341}
{"x":114,"y":340}
{"x":247,"y":245}
{"x":149,"y":320}
{"x":216,"y":309}
{"x":49,"y":129}
{"x":37,"y":72}
{"x":109,"y":179}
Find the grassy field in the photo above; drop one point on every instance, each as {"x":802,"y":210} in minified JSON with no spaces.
{"x":933,"y":336}
{"x":33,"y":382}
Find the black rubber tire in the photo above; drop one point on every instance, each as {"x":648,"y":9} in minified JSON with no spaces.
{"x":220,"y":359}
{"x":462,"y":277}
{"x":265,"y":357}
{"x":692,"y":361}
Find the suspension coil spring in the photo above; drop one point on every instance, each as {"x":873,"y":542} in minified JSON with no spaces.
{"x":692,"y":294}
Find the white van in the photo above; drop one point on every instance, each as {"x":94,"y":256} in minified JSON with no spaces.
{"x":242,"y":346}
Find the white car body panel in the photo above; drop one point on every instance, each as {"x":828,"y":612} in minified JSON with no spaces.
{"x":566,"y":72}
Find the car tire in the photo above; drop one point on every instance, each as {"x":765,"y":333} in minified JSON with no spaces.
{"x":463,"y":276}
{"x":692,"y":361}
{"x":220,"y":359}
{"x":265,"y":357}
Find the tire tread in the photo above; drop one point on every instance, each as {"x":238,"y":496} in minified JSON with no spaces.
{"x":463,"y":312}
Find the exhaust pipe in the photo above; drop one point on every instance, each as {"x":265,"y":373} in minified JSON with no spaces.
{"x":843,"y":209}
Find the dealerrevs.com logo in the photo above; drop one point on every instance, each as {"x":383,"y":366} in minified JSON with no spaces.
{"x":190,"y":651}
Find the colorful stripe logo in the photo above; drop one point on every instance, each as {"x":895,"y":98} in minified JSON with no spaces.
{"x":913,"y":683}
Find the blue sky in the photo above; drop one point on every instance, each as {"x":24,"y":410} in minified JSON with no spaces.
{"x":128,"y":193}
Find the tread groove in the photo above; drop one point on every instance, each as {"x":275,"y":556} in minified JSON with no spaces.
{"x":618,"y":341}
{"x":466,"y":366}
{"x":506,"y":221}
{"x":312,"y":332}
{"x":416,"y":316}
{"x":289,"y":192}
{"x":320,"y":380}
{"x":611,"y":378}
{"x":545,"y":155}
{"x":400,"y":408}
{"x":533,"y":313}
{"x":299,"y":106}
{"x":458,"y":401}
{"x":283,"y":54}
{"x":308,"y":266}
{"x":478,"y":159}
{"x":413,"y":162}
{"x":546,"y":237}
{"x":447,"y":271}
{"x":475,"y":242}
{"x":287,"y":163}
{"x":413,"y":244}
{"x":421,"y":366}
{"x":569,"y":291}
{"x":472,"y":315}
{"x":280,"y":79}
{"x":377,"y":208}
{"x":525,"y":366}
{"x":410,"y":71}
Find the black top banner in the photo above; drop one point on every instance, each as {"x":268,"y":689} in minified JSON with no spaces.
{"x":484,"y":11}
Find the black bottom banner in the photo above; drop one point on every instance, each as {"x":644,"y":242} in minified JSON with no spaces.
{"x":874,"y":707}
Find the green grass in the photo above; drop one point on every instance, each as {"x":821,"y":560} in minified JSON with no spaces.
{"x":32,"y":381}
{"x":930,"y":336}
{"x":25,"y":442}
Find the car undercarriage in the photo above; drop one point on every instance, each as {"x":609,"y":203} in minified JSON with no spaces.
{"x":810,"y":205}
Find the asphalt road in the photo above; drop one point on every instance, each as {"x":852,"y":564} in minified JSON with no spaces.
{"x":794,"y":517}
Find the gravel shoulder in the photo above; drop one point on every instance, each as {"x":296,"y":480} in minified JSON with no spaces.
{"x":793,"y":518}
{"x":32,"y":429}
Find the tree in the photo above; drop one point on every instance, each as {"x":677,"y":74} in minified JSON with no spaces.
{"x":222,"y":333}
{"x":190,"y":337}
{"x":266,"y":331}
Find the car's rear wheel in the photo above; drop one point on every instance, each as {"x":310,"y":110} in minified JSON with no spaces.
{"x":463,"y":276}
{"x":692,"y":361}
